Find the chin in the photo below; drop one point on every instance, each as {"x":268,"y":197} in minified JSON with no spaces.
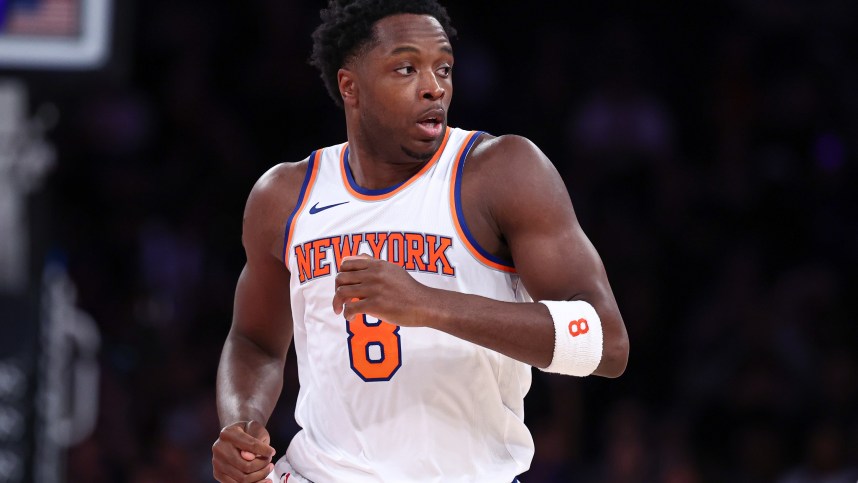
{"x":429,"y":147}
{"x":420,"y":155}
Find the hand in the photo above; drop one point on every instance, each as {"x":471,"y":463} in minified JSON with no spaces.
{"x":384,"y":290}
{"x":242,"y":455}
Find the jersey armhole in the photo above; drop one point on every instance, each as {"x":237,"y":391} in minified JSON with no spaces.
{"x":303,"y":196}
{"x":458,"y":214}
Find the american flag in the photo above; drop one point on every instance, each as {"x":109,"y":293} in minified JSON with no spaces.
{"x":59,"y":18}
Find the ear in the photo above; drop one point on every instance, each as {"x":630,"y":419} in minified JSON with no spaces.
{"x":348,"y":87}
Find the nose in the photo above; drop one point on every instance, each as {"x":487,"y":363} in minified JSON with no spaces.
{"x":432,"y":89}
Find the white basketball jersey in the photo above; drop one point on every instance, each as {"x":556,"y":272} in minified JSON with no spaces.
{"x":380,"y":402}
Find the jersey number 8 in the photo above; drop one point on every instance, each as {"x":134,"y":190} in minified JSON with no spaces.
{"x":374,"y":348}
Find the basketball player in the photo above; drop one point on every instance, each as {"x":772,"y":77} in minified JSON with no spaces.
{"x":404,"y":264}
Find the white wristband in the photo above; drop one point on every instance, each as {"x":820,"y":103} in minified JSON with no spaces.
{"x":577,"y":337}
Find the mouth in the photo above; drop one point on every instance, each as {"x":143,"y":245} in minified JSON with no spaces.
{"x":431,"y":124}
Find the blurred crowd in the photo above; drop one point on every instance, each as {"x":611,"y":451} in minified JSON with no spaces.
{"x":710,"y":154}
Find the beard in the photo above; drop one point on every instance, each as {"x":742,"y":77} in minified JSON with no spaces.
{"x":380,"y":134}
{"x":423,"y":157}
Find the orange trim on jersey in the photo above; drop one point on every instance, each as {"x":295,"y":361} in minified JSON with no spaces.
{"x":303,"y":197}
{"x":459,"y":224}
{"x":405,"y":184}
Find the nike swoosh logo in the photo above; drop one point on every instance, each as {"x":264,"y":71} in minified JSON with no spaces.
{"x":315,"y":208}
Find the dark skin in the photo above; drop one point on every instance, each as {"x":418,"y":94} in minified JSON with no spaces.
{"x":386,"y":91}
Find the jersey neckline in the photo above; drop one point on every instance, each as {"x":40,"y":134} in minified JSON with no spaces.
{"x":384,"y":193}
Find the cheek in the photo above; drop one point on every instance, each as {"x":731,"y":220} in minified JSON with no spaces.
{"x":395,"y":104}
{"x":399,"y":95}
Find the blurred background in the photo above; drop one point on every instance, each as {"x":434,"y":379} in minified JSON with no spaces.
{"x":709,"y":151}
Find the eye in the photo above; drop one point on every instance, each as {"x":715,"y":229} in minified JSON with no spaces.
{"x":405,"y":70}
{"x":445,"y":70}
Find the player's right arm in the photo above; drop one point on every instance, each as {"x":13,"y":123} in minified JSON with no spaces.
{"x":250,"y":374}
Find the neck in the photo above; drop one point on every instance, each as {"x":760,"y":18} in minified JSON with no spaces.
{"x":377,"y":167}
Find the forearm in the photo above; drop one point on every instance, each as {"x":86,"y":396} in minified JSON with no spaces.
{"x":249,"y":381}
{"x":522,"y":331}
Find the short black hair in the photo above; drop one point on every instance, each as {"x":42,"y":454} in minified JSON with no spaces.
{"x":347,"y":27}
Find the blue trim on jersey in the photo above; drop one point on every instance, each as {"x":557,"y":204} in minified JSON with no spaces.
{"x":310,"y":166}
{"x":460,"y":167}
{"x":365,"y":191}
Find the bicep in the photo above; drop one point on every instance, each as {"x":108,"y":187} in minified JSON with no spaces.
{"x":262,"y":312}
{"x":551,"y":252}
{"x":556,"y":261}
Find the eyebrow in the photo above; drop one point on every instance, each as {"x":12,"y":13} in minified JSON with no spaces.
{"x":414,"y":50}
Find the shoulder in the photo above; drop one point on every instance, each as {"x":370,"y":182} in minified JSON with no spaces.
{"x":279,"y":181}
{"x":507,"y":153}
{"x":277,"y":187}
{"x":505,"y":170}
{"x":510,"y":166}
{"x":272,"y":199}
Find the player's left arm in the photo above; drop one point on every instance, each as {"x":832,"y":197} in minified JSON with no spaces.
{"x":525,"y":202}
{"x":555,"y":259}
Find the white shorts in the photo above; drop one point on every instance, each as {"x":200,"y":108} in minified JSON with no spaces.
{"x":283,"y":473}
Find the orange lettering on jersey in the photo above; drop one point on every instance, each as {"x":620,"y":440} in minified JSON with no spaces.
{"x":416,"y":245}
{"x":303,"y":255}
{"x":345,"y":246}
{"x":320,"y":266}
{"x":382,"y":363}
{"x":415,"y":252}
{"x":438,"y":246}
{"x":396,"y":248}
{"x":376,"y":243}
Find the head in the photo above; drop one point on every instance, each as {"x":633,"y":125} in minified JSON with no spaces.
{"x":388,"y":63}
